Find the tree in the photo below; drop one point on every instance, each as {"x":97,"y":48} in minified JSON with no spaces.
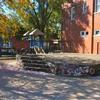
{"x":9,"y":22}
{"x":9,"y":27}
{"x":42,"y":14}
{"x":4,"y":26}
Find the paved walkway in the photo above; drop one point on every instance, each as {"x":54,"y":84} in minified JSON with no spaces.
{"x":7,"y":58}
{"x":76,"y":57}
{"x":16,"y":84}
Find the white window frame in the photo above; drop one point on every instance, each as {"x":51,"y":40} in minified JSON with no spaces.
{"x":73,"y":17}
{"x":95,"y":34}
{"x":84,"y":7}
{"x":96,"y":5}
{"x":83,"y":35}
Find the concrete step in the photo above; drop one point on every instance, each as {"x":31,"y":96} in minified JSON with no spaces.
{"x":34,"y":61}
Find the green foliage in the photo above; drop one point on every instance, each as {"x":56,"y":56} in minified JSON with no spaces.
{"x":30,"y":14}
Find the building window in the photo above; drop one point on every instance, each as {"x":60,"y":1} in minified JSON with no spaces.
{"x":84,"y":7}
{"x":97,"y":33}
{"x":86,"y":33}
{"x":83,"y":33}
{"x":97,"y":5}
{"x":73,"y":13}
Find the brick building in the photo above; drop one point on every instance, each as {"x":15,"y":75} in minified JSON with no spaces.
{"x":81,"y":26}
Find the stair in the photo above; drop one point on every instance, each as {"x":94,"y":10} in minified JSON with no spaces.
{"x":39,"y":50}
{"x":36,"y":62}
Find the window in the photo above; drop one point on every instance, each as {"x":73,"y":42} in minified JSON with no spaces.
{"x":97,"y":33}
{"x":73,"y":14}
{"x":86,"y":33}
{"x":84,"y":7}
{"x":83,"y":33}
{"x":97,"y":5}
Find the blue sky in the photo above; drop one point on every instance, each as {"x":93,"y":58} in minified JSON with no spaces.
{"x":5,"y":10}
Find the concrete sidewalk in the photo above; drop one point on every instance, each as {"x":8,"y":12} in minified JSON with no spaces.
{"x":78,"y":55}
{"x":7,"y":58}
{"x":24,"y":85}
{"x":17,"y":84}
{"x":75,"y":57}
{"x":64,"y":55}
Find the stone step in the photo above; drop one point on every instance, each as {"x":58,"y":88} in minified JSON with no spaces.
{"x":34,"y":61}
{"x":32,"y":58}
{"x":44,"y":69}
{"x":34,"y":64}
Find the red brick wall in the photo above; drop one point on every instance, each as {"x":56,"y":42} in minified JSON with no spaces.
{"x":71,"y":30}
{"x":19,"y":44}
{"x":96,"y":38}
